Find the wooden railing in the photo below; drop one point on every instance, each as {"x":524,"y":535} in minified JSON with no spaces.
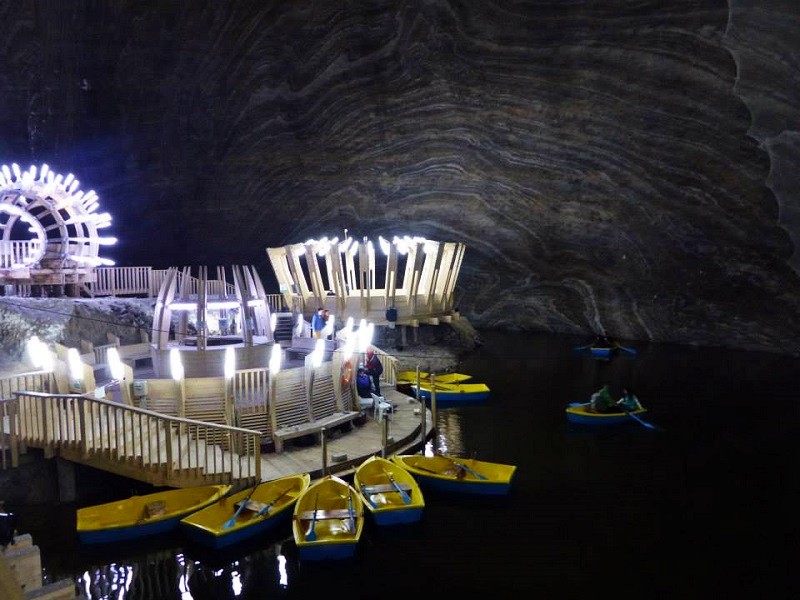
{"x":134,"y":442}
{"x":17,"y":252}
{"x":146,"y":281}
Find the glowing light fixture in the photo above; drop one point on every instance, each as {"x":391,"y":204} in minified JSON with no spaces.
{"x":275,"y":359}
{"x":384,"y":245}
{"x":318,"y":353}
{"x":230,"y":362}
{"x":75,"y":365}
{"x":175,"y":364}
{"x":115,"y":365}
{"x":273,"y":322}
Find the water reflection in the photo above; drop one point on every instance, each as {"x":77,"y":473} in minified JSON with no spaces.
{"x":682,"y":510}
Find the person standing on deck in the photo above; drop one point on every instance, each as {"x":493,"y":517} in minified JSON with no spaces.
{"x":317,"y":324}
{"x":374,"y":369}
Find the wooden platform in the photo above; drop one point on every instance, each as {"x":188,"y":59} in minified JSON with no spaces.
{"x":357,"y":444}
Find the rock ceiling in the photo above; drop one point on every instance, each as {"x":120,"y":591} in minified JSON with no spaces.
{"x":612,"y":166}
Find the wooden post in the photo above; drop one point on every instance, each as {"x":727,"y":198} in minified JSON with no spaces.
{"x":324,"y":441}
{"x":433,"y":413}
{"x":422,"y":411}
{"x":384,"y":435}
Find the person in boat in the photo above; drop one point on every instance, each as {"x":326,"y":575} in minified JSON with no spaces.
{"x":602,"y":401}
{"x":629,"y":401}
{"x":374,"y":369}
{"x":363,"y":383}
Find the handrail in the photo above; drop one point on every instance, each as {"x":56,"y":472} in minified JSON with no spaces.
{"x":162,"y":448}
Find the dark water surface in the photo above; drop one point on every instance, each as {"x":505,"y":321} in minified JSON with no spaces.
{"x":704,"y":507}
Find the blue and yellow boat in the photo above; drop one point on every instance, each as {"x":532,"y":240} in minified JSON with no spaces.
{"x":143,"y":516}
{"x":246,"y":514}
{"x":390,"y":493}
{"x":458,"y":475}
{"x":328,"y":520}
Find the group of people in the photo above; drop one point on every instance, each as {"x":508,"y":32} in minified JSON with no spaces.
{"x":368,"y":376}
{"x":602,"y":401}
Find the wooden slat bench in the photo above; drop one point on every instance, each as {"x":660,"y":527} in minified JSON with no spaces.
{"x":312,"y":427}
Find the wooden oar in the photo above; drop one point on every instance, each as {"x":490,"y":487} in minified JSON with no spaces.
{"x":232,"y":521}
{"x":636,"y":418}
{"x":628,"y":350}
{"x":466,"y":468}
{"x":368,"y":496}
{"x":269,"y":506}
{"x":406,"y":498}
{"x":311,"y":535}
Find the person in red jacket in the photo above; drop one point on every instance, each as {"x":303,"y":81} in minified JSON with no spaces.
{"x":374,"y":369}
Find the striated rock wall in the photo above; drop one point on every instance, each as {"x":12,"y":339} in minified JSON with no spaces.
{"x":617,"y":167}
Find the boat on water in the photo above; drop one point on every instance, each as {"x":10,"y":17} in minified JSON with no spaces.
{"x":581,"y":414}
{"x":604,"y":347}
{"x":409,"y":377}
{"x":455,"y":393}
{"x":142,"y":516}
{"x":246,"y":514}
{"x":328,"y":520}
{"x":446,"y":473}
{"x":390,"y":493}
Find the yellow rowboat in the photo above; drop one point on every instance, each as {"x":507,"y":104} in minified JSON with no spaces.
{"x":248,"y":513}
{"x":452,"y":392}
{"x":461,"y":475}
{"x":409,"y":377}
{"x":390,"y":493}
{"x":141,"y":516}
{"x":328,"y":520}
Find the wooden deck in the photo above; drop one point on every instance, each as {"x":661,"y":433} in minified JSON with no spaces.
{"x":363,"y":441}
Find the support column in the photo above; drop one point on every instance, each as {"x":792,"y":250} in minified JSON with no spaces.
{"x":67,"y":486}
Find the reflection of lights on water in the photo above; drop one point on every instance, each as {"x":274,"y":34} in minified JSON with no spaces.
{"x":183,"y":580}
{"x":282,"y":572}
{"x":113,"y":581}
{"x":236,"y":583}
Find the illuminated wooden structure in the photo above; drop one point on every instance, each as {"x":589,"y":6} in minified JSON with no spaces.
{"x":415,"y":284}
{"x":49,"y":229}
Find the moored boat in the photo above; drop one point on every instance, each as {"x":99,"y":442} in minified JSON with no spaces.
{"x":451,"y":392}
{"x":581,"y":414}
{"x":409,"y":377}
{"x":142,"y":516}
{"x":460,"y":475}
{"x":248,"y":513}
{"x":390,"y":493}
{"x":328,"y":520}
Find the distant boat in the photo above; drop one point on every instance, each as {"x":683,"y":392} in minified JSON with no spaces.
{"x":459,"y":475}
{"x":581,"y":414}
{"x":142,"y":516}
{"x":390,"y":493}
{"x":604,"y":348}
{"x":328,"y":520}
{"x":225,"y":522}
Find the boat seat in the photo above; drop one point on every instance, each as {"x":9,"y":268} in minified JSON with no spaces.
{"x":381,"y":408}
